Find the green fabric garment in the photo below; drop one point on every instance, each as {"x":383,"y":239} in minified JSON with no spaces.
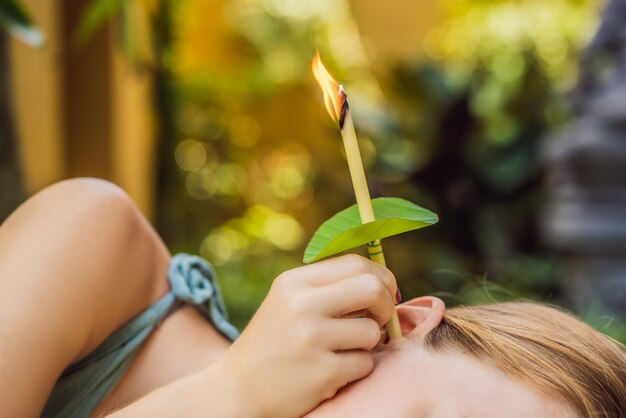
{"x":83,"y":385}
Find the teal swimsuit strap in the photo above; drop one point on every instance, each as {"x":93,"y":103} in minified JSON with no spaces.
{"x":83,"y":385}
{"x":192,"y":281}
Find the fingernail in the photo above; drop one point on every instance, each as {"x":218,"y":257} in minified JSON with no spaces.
{"x":398,"y":296}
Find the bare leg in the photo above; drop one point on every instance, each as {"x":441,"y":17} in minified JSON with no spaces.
{"x":184,"y":344}
{"x":77,"y":261}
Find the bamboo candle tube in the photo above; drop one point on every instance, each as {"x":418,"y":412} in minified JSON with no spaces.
{"x":364,"y":201}
{"x":336,"y":101}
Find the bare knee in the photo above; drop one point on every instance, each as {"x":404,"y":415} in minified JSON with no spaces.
{"x":89,"y":200}
{"x":133,"y":259}
{"x":85,"y":185}
{"x":74,"y":201}
{"x":92,"y":235}
{"x":77,"y":261}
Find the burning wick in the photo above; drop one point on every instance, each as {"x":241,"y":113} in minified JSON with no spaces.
{"x":336,"y":101}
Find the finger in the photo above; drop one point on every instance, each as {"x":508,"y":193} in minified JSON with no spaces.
{"x":353,"y":334}
{"x":339,"y":268}
{"x":362,"y":292}
{"x":355,"y":314}
{"x":353,"y":365}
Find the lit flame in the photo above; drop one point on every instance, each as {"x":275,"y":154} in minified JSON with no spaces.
{"x":334,"y":95}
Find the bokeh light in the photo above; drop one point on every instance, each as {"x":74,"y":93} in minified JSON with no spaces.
{"x":457,"y":130}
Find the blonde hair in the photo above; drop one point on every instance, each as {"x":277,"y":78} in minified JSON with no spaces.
{"x":545,"y":347}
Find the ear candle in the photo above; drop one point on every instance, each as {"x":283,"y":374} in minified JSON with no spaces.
{"x":337,"y":105}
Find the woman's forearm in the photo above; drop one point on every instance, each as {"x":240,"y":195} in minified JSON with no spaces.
{"x":206,"y":394}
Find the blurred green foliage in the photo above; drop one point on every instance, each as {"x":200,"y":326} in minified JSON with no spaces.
{"x":258,"y":165}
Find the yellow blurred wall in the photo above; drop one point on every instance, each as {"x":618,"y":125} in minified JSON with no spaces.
{"x":82,"y":111}
{"x":393,"y":30}
{"x":87,"y":111}
{"x":37,"y":89}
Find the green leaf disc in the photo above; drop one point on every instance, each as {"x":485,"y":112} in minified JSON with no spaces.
{"x":345,"y":231}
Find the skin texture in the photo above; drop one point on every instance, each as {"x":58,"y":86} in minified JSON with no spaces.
{"x":301,"y":347}
{"x":64,"y":256}
{"x":418,"y":383}
{"x":78,"y":261}
{"x":99,"y":263}
{"x":183,"y":345}
{"x":422,"y":384}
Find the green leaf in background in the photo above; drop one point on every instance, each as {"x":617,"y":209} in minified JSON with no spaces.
{"x":95,"y":15}
{"x":127,"y":31}
{"x":126,"y":14}
{"x":345,"y":230}
{"x":16,"y":21}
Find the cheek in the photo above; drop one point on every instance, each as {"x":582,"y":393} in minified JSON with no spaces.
{"x":393,"y":390}
{"x":362,"y":403}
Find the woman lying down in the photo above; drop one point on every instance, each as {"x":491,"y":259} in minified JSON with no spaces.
{"x":97,"y":319}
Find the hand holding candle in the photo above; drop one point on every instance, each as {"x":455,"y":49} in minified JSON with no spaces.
{"x":369,"y":220}
{"x":337,"y":105}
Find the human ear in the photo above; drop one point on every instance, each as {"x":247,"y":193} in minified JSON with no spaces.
{"x":419,"y":316}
